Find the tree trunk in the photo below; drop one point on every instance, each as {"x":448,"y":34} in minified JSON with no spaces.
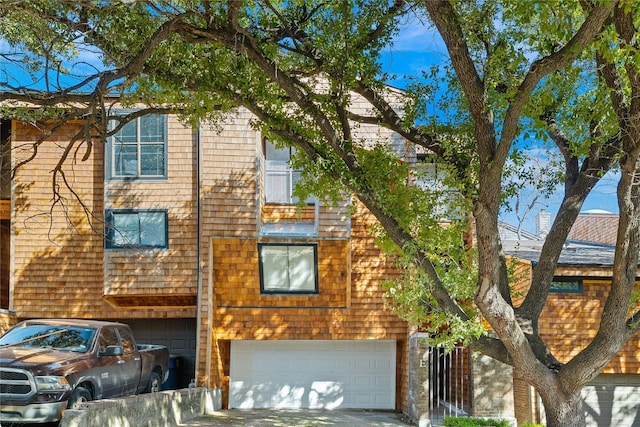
{"x":564,"y":410}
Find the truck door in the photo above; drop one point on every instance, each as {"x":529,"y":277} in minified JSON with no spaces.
{"x":132,"y":365}
{"x":110,"y":367}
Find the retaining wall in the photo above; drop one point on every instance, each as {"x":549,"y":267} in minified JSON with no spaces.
{"x":166,"y":408}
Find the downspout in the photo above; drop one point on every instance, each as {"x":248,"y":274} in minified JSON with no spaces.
{"x":199,"y":261}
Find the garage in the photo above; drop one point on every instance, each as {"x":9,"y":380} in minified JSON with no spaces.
{"x":313,"y":374}
{"x":613,"y":400}
{"x":179,"y":335}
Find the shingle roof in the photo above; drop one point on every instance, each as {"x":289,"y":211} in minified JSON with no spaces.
{"x":595,"y":226}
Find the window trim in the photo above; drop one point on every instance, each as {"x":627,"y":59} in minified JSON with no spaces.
{"x":110,"y":172}
{"x":264,"y":291}
{"x":110,"y":229}
{"x":566,"y":279}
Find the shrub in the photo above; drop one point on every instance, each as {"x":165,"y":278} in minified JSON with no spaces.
{"x":474,"y":422}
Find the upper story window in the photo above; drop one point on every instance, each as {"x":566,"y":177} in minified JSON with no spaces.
{"x":137,"y":229}
{"x":138,"y":150}
{"x":288,"y":268}
{"x":280,"y":178}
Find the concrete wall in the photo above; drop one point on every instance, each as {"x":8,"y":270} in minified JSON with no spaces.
{"x":146,"y":410}
{"x":492,"y":388}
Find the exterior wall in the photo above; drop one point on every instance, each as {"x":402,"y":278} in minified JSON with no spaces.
{"x":5,"y":260}
{"x":569,"y":321}
{"x":492,"y":388}
{"x":60,"y":267}
{"x":7,"y":320}
{"x":418,"y":407}
{"x":58,"y":255}
{"x":350,"y":304}
{"x":159,"y":277}
{"x":527,"y":405}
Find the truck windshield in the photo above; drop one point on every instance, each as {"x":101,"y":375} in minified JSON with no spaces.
{"x":66,"y":338}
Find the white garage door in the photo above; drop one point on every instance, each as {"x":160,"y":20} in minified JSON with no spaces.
{"x":312,"y":374}
{"x":613,"y":400}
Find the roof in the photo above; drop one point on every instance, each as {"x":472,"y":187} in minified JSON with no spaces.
{"x":510,"y":232}
{"x":573,"y":254}
{"x":595,"y":226}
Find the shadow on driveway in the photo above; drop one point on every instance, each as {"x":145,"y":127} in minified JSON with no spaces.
{"x":299,"y":418}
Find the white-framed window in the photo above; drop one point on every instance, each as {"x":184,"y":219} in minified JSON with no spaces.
{"x":129,"y":228}
{"x":288,"y":268}
{"x":280,"y":178}
{"x":138,"y":150}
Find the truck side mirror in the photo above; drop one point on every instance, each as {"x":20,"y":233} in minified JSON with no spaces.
{"x":112,"y":350}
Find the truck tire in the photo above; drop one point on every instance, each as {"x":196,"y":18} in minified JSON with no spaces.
{"x":154,"y":383}
{"x":79,"y":395}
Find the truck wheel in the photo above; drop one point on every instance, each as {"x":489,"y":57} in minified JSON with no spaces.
{"x":79,"y":395}
{"x":154,"y":383}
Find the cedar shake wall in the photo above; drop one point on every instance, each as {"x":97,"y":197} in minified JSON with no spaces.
{"x":350,"y":304}
{"x":59,"y":260}
{"x":159,"y":276}
{"x":569,"y":321}
{"x":228,"y":199}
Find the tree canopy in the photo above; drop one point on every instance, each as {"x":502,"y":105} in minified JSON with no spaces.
{"x":562,"y":72}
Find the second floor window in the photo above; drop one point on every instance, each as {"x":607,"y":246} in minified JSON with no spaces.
{"x":288,"y":268}
{"x":137,"y":229}
{"x":280,"y":178}
{"x":138,"y":150}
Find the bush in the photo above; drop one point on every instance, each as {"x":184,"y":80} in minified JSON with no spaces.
{"x":474,"y":422}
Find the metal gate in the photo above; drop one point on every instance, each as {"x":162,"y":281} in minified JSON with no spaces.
{"x":450,"y":383}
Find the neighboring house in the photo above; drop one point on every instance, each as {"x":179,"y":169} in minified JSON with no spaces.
{"x":570,"y":320}
{"x":596,"y":225}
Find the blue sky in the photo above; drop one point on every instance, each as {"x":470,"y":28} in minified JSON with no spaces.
{"x":417,"y":48}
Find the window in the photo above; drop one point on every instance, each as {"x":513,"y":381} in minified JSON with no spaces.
{"x":108,"y":337}
{"x":138,"y":149}
{"x":288,"y":268}
{"x":127,"y":340}
{"x":280,"y":179}
{"x":567,"y":285}
{"x":131,"y":228}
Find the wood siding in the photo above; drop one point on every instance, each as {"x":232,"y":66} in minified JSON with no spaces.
{"x":60,"y":267}
{"x":349,"y":306}
{"x":569,"y":321}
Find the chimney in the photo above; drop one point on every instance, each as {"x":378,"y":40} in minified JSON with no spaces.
{"x":543,"y":223}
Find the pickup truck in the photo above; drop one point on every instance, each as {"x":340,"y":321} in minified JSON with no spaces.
{"x":49,"y":365}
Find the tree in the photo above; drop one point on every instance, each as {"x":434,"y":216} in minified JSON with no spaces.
{"x":564,"y":72}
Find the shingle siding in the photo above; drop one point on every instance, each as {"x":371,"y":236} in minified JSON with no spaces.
{"x":212,"y":196}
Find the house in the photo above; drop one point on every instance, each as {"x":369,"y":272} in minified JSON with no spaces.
{"x":570,"y":318}
{"x":192,"y":237}
{"x":182,"y":243}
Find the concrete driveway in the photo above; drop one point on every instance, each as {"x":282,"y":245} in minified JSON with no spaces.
{"x":298,"y":418}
